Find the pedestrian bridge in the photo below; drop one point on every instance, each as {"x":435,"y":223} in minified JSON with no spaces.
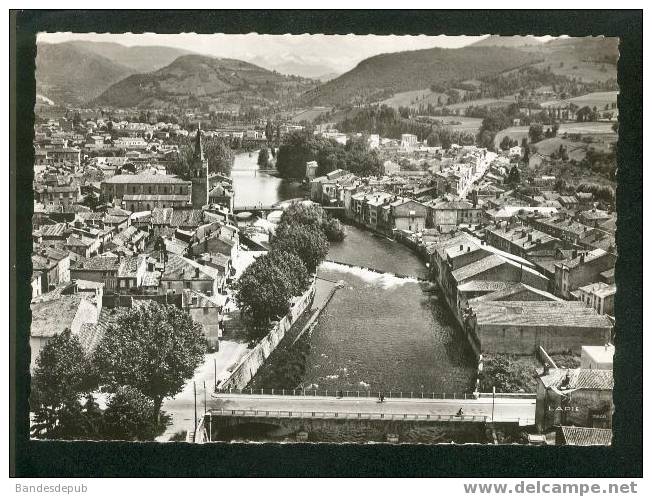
{"x":306,"y":413}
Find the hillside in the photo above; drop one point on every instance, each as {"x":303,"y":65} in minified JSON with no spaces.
{"x":140,"y":59}
{"x":590,"y":59}
{"x":68,"y":75}
{"x":381,"y":76}
{"x":508,"y":41}
{"x":197,"y":79}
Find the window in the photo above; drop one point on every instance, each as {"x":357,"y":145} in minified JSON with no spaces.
{"x":205,"y":310}
{"x":186,"y":284}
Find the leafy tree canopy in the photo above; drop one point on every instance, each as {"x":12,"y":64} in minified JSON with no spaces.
{"x":152,"y":347}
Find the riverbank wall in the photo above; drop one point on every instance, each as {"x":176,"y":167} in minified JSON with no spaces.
{"x":255,"y":358}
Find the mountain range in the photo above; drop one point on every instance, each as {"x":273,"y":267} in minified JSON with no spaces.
{"x":76,"y":72}
{"x":81,"y":72}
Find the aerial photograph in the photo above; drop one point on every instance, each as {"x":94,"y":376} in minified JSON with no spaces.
{"x":324,"y":239}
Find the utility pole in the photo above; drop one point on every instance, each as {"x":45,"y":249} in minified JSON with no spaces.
{"x":194,"y":391}
{"x":493,"y":403}
{"x":215,"y":374}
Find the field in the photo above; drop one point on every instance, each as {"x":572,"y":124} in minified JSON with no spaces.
{"x":583,"y":71}
{"x":466,"y":124}
{"x":595,"y":128}
{"x":414,"y":99}
{"x":309,"y":114}
{"x":576,"y":149}
{"x":597,"y":99}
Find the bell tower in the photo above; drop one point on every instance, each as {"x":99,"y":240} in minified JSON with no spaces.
{"x":199,"y":174}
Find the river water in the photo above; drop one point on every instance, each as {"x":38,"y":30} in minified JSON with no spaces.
{"x":379,"y":332}
{"x":252,"y":188}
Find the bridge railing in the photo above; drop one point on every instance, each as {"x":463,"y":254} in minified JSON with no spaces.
{"x":300,"y":392}
{"x":258,"y":413}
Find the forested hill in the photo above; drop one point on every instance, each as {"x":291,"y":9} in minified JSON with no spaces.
{"x":196,"y":79}
{"x":380,"y":76}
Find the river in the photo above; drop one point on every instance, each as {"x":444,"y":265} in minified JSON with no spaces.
{"x":379,"y":332}
{"x":252,"y":188}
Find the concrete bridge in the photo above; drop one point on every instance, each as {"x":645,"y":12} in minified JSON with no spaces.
{"x":401,"y":417}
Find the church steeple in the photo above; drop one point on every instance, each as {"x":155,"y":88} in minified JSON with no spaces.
{"x":198,"y":154}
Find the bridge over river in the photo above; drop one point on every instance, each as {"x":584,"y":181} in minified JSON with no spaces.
{"x":269,"y":208}
{"x":319,"y":413}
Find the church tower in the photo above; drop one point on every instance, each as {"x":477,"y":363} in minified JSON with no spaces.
{"x":199,"y":174}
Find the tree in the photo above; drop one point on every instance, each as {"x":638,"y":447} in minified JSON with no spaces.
{"x":63,"y":376}
{"x":535,"y":133}
{"x":514,"y":176}
{"x":505,"y":143}
{"x":308,"y":242}
{"x":219,"y":156}
{"x":128,"y":416}
{"x":265,"y":288}
{"x":334,"y":230}
{"x":302,"y":213}
{"x":526,"y":150}
{"x":263,"y":158}
{"x":154,"y":348}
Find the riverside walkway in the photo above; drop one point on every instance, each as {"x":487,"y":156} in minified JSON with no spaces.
{"x":512,"y":409}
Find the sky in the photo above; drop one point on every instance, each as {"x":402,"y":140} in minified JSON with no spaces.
{"x":315,"y":53}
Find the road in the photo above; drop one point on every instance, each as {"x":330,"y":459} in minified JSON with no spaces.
{"x":181,"y":408}
{"x":504,"y":409}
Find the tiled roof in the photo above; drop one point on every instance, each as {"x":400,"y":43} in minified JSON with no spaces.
{"x":510,"y":291}
{"x":552,"y":314}
{"x":73,"y":241}
{"x":579,"y":379}
{"x":155,"y":198}
{"x":584,"y":258}
{"x":484,"y":286}
{"x":110,"y":219}
{"x":51,"y":230}
{"x":128,"y":267}
{"x":453,"y":205}
{"x":51,"y":317}
{"x":523,"y":237}
{"x":579,"y":435}
{"x":180,"y":268}
{"x":98,"y":263}
{"x":144,"y":178}
{"x":161,"y":215}
{"x":186,"y":217}
{"x":478,"y":267}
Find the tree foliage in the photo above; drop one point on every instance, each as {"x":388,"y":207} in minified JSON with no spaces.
{"x":263,"y":158}
{"x":306,"y":241}
{"x":154,"y":348}
{"x":128,"y":416}
{"x":62,"y":377}
{"x":265,"y":288}
{"x":216,"y":151}
{"x":301,"y":147}
{"x":507,"y":374}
